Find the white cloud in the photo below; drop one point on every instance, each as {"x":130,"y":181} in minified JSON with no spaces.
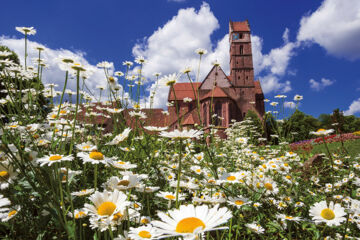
{"x":172,"y":47}
{"x":272,"y":67}
{"x":335,"y":26}
{"x":353,"y":108}
{"x":53,"y":74}
{"x":317,"y":86}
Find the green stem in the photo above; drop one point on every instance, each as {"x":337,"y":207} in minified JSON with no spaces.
{"x":179,"y":174}
{"x":76,"y":110}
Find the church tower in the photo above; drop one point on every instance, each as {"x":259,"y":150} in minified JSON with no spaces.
{"x":241,"y":64}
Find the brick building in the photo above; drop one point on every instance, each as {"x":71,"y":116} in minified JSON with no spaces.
{"x":229,"y":97}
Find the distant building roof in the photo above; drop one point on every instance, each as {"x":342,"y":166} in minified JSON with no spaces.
{"x":184,"y":90}
{"x":217,"y":92}
{"x":240,"y":26}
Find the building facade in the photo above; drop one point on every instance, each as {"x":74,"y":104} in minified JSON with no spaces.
{"x":221,"y":98}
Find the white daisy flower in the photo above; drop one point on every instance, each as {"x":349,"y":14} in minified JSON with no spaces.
{"x":9,"y":214}
{"x":170,"y":196}
{"x":155,"y":129}
{"x":255,"y":228}
{"x":122,"y":165}
{"x":53,"y":158}
{"x":120,"y":137}
{"x":7,"y":175}
{"x":143,"y":232}
{"x":86,"y":147}
{"x":93,"y":157}
{"x":238,"y":201}
{"x":322,"y":132}
{"x":332,"y":215}
{"x":107,"y":205}
{"x":83,"y":192}
{"x":185,"y":134}
{"x":191,"y":222}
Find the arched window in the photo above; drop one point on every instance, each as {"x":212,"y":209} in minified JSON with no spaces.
{"x":218,"y":112}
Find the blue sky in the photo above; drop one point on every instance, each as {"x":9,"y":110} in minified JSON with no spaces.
{"x":305,"y":47}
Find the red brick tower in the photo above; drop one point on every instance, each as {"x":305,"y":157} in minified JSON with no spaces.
{"x":241,"y":65}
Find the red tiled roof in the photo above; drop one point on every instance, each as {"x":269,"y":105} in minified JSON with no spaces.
{"x":183,"y":90}
{"x":217,"y":92}
{"x":155,"y":117}
{"x":240,"y":26}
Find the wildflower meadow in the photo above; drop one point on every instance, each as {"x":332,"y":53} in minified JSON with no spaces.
{"x":65,"y":175}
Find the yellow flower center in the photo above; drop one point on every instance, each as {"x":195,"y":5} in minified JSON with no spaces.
{"x":120,"y":162}
{"x":123,"y":183}
{"x":4,"y":175}
{"x":63,"y":111}
{"x":144,"y":221}
{"x":231,"y":178}
{"x":79,"y":215}
{"x":170,"y":197}
{"x":198,"y":170}
{"x":144,"y":234}
{"x":86,"y":147}
{"x":268,"y":186}
{"x":188,"y":225}
{"x":328,"y":214}
{"x":13,"y":212}
{"x":117,"y":216}
{"x":55,"y":158}
{"x":96,"y":155}
{"x":239,"y":202}
{"x":199,"y":157}
{"x":288,"y":177}
{"x":289,"y":217}
{"x":321,"y":130}
{"x":106,"y":208}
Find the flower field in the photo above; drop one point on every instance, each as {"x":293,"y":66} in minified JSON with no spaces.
{"x":62,"y":176}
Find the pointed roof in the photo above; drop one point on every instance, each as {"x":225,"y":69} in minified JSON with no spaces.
{"x":183,"y":90}
{"x":216,"y":93}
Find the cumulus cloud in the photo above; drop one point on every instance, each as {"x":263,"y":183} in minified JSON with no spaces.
{"x":52,"y":73}
{"x":271,"y":68}
{"x":353,"y":108}
{"x":335,"y":26}
{"x":317,"y":86}
{"x":172,"y":47}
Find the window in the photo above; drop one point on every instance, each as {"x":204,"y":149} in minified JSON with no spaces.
{"x":241,"y":35}
{"x":241,"y":49}
{"x":218,"y":112}
{"x":205,"y":114}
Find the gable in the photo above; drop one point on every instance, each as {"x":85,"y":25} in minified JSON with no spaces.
{"x":218,"y":75}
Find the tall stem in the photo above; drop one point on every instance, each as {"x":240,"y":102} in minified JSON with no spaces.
{"x":76,"y":109}
{"x":25,"y":50}
{"x":178,"y":175}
